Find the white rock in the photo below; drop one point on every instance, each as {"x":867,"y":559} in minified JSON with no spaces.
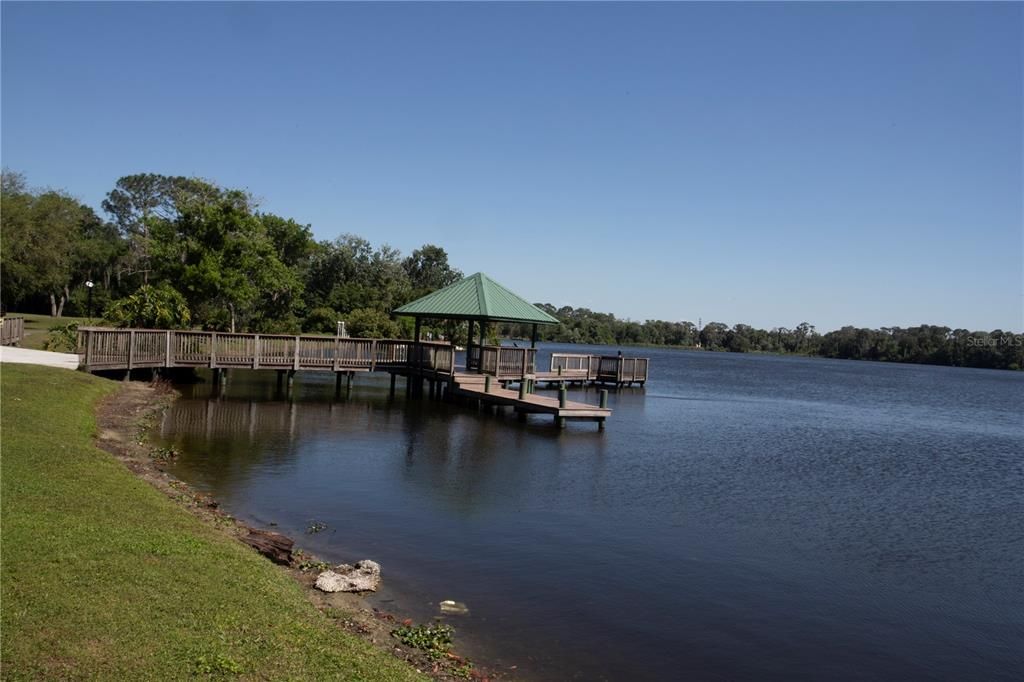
{"x":364,"y":576}
{"x":457,"y":607}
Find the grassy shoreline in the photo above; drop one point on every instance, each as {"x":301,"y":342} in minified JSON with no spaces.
{"x":105,"y":577}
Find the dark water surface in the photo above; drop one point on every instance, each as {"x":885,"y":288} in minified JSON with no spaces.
{"x":743,"y":517}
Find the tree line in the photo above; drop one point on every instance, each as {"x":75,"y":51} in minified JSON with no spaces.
{"x":180,"y":252}
{"x":176,"y":252}
{"x":926,"y":344}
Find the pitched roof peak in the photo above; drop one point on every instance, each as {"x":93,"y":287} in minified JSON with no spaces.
{"x":476,"y":297}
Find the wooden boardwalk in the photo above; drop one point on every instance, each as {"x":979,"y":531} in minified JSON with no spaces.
{"x":105,"y":349}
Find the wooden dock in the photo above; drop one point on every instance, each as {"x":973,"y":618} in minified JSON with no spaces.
{"x":105,"y":349}
{"x":482,"y":388}
{"x":569,"y":368}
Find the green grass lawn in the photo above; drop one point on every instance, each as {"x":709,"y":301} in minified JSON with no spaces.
{"x":104,"y":577}
{"x":37,"y":327}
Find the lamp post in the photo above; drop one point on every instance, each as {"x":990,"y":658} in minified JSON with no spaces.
{"x":89,"y":285}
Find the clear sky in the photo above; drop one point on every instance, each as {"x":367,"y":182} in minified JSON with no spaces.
{"x":769,"y":164}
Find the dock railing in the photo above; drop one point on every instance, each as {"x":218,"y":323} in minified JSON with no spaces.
{"x":103,"y":348}
{"x":575,"y":365}
{"x":12,"y":331}
{"x":508,"y":363}
{"x":620,"y":370}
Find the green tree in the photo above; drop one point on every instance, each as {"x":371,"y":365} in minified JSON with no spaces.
{"x":51,"y":243}
{"x":428,"y":270}
{"x":138,"y":199}
{"x":221,"y":258}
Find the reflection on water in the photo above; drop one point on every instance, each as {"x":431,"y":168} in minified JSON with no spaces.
{"x":744,"y":517}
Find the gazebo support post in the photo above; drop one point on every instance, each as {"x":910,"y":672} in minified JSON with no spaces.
{"x":418,"y":366}
{"x":483,"y":330}
{"x":533,"y":336}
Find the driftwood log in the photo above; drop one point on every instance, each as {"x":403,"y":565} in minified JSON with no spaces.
{"x":274,"y":546}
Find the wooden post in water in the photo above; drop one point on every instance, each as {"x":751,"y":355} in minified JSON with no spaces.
{"x":348,"y":384}
{"x":391,"y":393}
{"x":337,"y":384}
{"x":562,"y":400}
{"x":487,"y":384}
{"x":604,"y":405}
{"x":522,"y":389}
{"x":280,"y":380}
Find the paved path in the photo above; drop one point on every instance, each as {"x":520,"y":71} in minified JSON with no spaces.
{"x":26,"y":356}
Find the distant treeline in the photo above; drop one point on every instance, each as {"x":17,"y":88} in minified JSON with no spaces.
{"x":926,"y":344}
{"x":178,"y":252}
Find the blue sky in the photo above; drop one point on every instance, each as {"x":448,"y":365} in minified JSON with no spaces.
{"x":768,"y":164}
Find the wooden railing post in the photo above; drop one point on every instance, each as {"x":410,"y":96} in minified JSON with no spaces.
{"x":131,"y":349}
{"x":213,"y":349}
{"x":373,"y":355}
{"x":256,"y":352}
{"x":524,"y":364}
{"x":295,"y":363}
{"x":88,"y":348}
{"x":167,"y":349}
{"x":337,"y":353}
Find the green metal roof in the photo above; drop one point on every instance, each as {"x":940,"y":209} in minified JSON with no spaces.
{"x":477,"y":297}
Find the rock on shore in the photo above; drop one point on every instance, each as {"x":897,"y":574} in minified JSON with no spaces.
{"x":364,"y":576}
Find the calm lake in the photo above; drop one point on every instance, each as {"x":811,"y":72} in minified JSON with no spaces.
{"x":743,"y":517}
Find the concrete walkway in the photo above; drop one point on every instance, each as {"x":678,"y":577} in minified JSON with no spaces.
{"x":26,"y":356}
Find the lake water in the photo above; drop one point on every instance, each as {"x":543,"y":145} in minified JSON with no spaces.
{"x":743,"y":517}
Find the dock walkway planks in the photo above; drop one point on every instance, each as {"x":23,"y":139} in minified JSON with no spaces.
{"x":474,"y":386}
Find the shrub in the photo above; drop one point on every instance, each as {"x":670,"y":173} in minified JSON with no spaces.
{"x":367,"y":323}
{"x":63,"y":338}
{"x":321,"y":320}
{"x":158,"y":307}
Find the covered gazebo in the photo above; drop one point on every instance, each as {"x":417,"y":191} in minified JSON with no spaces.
{"x":477,"y":299}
